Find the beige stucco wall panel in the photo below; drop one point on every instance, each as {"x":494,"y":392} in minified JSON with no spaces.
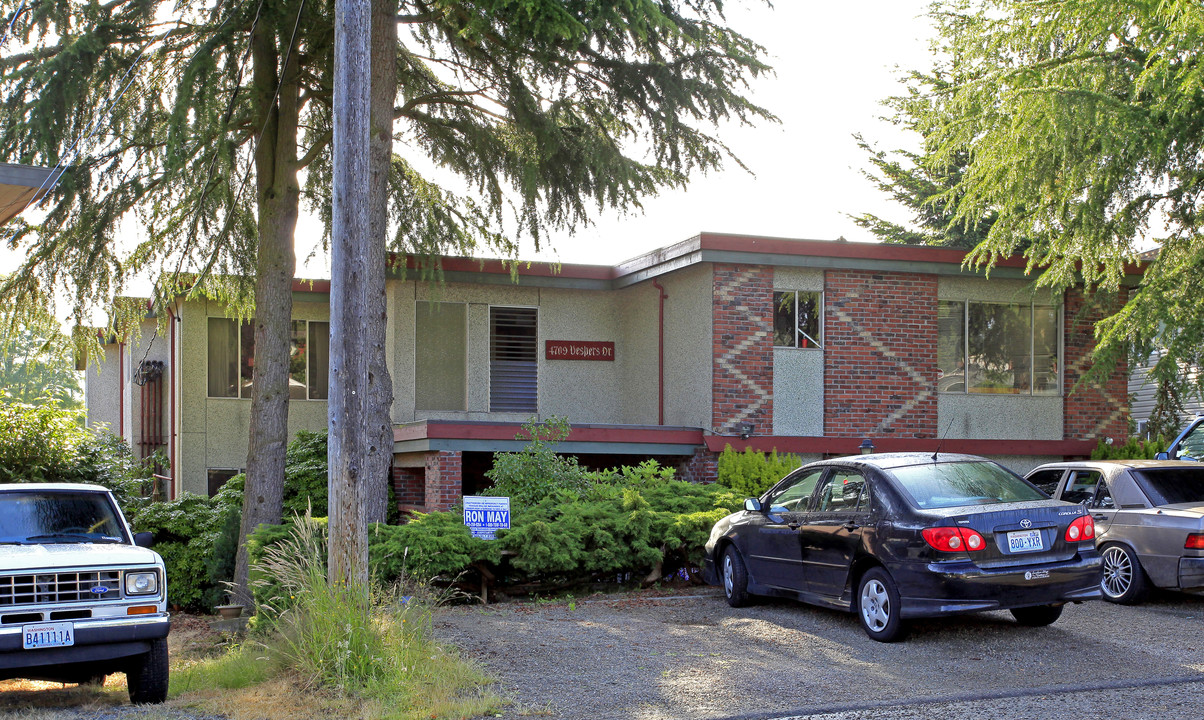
{"x":192,"y":457}
{"x":999,"y":417}
{"x":798,"y":391}
{"x":585,"y":391}
{"x":688,"y":344}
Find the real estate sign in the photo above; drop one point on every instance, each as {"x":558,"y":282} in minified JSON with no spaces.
{"x":484,"y":516}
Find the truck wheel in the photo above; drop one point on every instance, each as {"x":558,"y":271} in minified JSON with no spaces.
{"x":147,"y":676}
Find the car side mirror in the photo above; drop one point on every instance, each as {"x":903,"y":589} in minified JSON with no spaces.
{"x":752,"y":505}
{"x":1162,"y":456}
{"x":144,"y":539}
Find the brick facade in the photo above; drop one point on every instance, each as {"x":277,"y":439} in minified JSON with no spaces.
{"x":1092,"y":412}
{"x":444,"y":474}
{"x":701,"y":467}
{"x":742,"y":348}
{"x":409,"y":486}
{"x":880,"y":347}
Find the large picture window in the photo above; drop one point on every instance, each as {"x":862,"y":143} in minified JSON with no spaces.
{"x":231,"y":355}
{"x":513,"y":371}
{"x":796,"y":319}
{"x":1007,"y":348}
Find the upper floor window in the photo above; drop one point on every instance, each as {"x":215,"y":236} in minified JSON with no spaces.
{"x":796,"y":319}
{"x":513,"y":367}
{"x":231,"y":354}
{"x":1008,"y":348}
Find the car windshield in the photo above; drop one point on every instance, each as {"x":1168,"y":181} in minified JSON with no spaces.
{"x":57,"y":517}
{"x":1171,"y":486}
{"x":943,"y":485}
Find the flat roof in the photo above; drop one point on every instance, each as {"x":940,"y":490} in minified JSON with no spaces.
{"x":20,"y":185}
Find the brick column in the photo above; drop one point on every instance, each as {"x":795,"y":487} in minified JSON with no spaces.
{"x":444,"y":472}
{"x":702,"y":467}
{"x":409,"y":487}
{"x":1092,"y":412}
{"x":880,"y":344}
{"x":742,"y":348}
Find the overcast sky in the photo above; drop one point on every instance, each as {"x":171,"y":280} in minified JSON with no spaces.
{"x":834,"y":63}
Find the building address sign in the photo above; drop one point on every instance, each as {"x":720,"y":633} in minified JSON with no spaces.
{"x":579,"y":350}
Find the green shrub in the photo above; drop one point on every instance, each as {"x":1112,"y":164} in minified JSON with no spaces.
{"x":305,"y":483}
{"x":536,"y":470}
{"x":751,"y":473}
{"x":1134,"y":448}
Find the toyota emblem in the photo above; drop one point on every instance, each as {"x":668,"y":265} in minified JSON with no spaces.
{"x":1026,"y":523}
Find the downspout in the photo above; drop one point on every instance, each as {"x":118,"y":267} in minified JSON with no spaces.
{"x":660,"y":356}
{"x":121,"y":389}
{"x":171,"y":395}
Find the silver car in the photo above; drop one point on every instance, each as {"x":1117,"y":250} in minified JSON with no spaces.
{"x":1149,"y":520}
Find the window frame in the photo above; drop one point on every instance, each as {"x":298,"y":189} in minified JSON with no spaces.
{"x":241,"y":326}
{"x":817,"y":343}
{"x":1032,"y":306}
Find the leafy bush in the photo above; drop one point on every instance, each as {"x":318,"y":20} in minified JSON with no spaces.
{"x":1134,"y":449}
{"x":751,"y":473}
{"x":536,"y":470}
{"x":197,"y":537}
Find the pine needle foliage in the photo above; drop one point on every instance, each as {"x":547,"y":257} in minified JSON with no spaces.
{"x":1080,"y":121}
{"x":751,"y":473}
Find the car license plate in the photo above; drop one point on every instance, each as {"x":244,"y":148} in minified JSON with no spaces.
{"x":1025,"y":541}
{"x":34,"y":637}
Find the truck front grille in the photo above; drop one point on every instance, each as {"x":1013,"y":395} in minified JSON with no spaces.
{"x":61,"y":587}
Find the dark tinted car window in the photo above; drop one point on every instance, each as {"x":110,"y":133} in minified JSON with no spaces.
{"x":1169,"y":486}
{"x":794,"y":494}
{"x":841,"y":493}
{"x":1047,"y":480}
{"x":942,"y":485}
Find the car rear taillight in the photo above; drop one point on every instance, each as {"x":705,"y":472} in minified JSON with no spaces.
{"x":953,"y":539}
{"x":1195,"y":541}
{"x":1082,"y":528}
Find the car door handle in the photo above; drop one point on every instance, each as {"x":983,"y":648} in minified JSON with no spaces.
{"x":1098,"y":516}
{"x":794,"y":525}
{"x":850,"y":525}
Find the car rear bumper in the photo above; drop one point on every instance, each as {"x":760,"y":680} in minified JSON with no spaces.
{"x":1191,"y":573}
{"x":932,"y":589}
{"x":96,"y":640}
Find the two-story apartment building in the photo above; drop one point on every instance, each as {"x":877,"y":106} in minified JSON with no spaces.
{"x":809,"y":347}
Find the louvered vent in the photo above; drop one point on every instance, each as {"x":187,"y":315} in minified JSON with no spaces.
{"x":513,"y":376}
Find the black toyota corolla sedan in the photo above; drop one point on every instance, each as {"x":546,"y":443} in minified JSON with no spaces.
{"x":894,"y":536}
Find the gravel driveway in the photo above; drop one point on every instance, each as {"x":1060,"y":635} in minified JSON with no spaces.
{"x":692,"y":656}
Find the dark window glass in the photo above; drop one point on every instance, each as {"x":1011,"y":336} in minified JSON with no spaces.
{"x":956,"y":484}
{"x":296,"y":361}
{"x":796,"y":319}
{"x":1080,"y":487}
{"x":319,"y":360}
{"x":793,"y":495}
{"x":1170,"y":486}
{"x":841,"y":493}
{"x":219,"y":477}
{"x":1103,"y":497}
{"x":951,"y":346}
{"x":247,"y":357}
{"x":1047,"y":480}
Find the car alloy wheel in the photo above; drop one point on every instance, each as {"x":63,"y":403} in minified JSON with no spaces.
{"x":735,"y":578}
{"x":1123,"y":579}
{"x":875,"y":605}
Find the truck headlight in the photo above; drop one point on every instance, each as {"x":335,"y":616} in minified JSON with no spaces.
{"x":141,"y":583}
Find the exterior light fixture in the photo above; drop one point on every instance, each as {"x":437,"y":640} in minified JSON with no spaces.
{"x":867,"y":447}
{"x":746,"y":429}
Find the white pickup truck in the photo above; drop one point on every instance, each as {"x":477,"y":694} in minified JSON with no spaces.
{"x":80,"y":596}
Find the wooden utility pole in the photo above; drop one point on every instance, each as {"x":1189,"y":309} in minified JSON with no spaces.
{"x":349,"y":307}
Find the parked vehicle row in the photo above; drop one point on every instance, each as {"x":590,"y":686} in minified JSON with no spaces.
{"x":896,"y":536}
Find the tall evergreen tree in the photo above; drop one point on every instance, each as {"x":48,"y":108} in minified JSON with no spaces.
{"x":201,"y":119}
{"x":1083,"y":125}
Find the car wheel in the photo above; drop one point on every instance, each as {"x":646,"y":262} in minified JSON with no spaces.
{"x":1124,"y":580}
{"x":147,"y":676}
{"x":878,"y":606}
{"x":735,"y":577}
{"x":1038,"y":616}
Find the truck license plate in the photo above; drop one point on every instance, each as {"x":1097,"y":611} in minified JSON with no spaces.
{"x":1025,"y":541}
{"x":34,"y":637}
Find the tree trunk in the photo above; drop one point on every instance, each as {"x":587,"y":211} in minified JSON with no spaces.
{"x":278,"y":198}
{"x":349,"y":260}
{"x":379,"y":422}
